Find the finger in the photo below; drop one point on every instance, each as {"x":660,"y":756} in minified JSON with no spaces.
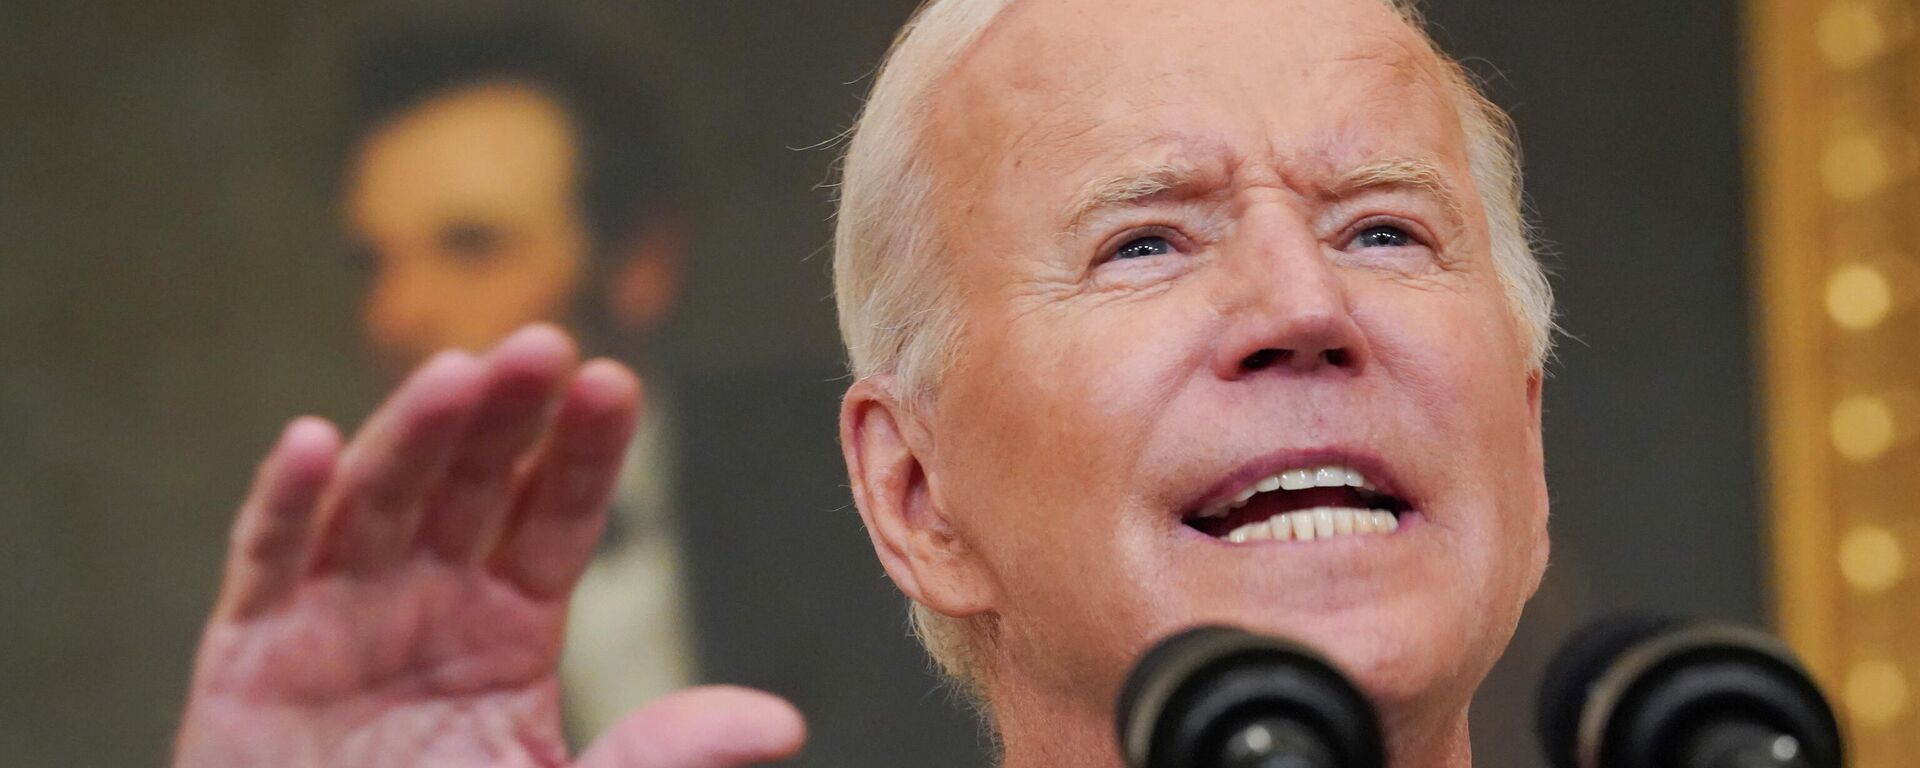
{"x":706,"y":727}
{"x":373,"y":508}
{"x":561,"y":507}
{"x":523,"y":376}
{"x":269,"y":544}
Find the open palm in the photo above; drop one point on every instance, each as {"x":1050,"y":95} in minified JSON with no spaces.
{"x":400,"y":600}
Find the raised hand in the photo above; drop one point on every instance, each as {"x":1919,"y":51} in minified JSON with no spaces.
{"x":400,"y":600}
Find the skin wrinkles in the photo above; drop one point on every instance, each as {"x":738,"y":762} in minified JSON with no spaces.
{"x":1126,"y":189}
{"x":1402,"y":192}
{"x":1088,"y":405}
{"x":1411,"y":177}
{"x":1181,"y":168}
{"x":1414,"y":60}
{"x":1172,"y":164}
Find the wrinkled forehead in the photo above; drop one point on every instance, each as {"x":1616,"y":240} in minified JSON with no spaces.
{"x":1057,"y":87}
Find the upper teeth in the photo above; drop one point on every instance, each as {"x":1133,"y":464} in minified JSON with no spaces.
{"x":1330,"y":476}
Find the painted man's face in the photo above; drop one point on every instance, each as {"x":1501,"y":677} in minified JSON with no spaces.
{"x":465,"y":208}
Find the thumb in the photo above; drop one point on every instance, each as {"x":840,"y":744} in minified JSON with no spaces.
{"x":712,"y":726}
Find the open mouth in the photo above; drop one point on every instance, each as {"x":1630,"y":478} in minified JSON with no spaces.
{"x":1302,"y":504}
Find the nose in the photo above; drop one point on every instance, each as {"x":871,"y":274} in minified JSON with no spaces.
{"x":396,"y":316}
{"x":1287,"y":310}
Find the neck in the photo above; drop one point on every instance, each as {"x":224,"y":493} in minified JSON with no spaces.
{"x":1049,"y":733}
{"x":1429,"y":742}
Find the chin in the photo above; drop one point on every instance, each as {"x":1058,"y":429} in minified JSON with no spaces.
{"x":1399,"y":650}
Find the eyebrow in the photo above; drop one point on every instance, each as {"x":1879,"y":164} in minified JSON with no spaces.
{"x":1127,"y":188}
{"x":1143,"y":185}
{"x":1406,"y":172}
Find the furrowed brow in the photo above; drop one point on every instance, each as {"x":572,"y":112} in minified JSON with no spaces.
{"x":1411,"y":173}
{"x":1126,"y":189}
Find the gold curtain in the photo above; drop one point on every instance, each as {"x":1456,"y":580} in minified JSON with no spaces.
{"x":1834,"y":100}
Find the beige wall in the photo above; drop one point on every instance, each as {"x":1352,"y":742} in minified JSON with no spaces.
{"x":1836,"y":116}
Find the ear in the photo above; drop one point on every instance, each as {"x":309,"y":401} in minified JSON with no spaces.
{"x":1536,"y":382}
{"x":645,"y":281}
{"x":888,"y":453}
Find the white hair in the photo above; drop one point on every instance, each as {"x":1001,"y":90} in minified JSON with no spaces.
{"x":891,"y":287}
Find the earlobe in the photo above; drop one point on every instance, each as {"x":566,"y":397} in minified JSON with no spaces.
{"x":887,"y":455}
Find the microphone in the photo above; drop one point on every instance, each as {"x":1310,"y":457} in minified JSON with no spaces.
{"x":1220,"y":697}
{"x":1643,"y":692}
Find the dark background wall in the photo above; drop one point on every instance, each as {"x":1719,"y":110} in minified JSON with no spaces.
{"x":1629,"y":116}
{"x":171,"y":288}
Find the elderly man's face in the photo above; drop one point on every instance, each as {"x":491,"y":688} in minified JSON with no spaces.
{"x":1202,"y":244}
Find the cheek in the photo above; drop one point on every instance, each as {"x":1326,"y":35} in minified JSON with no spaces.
{"x":1459,"y":360}
{"x":1050,"y":411}
{"x":1473,"y":377}
{"x":1458,"y":356}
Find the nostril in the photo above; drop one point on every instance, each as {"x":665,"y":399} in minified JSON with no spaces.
{"x":1337,"y":358}
{"x":1262,"y":359}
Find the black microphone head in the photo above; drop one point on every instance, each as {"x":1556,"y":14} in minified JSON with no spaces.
{"x":1635,"y":690}
{"x":1193,"y":692}
{"x":1580,"y":663}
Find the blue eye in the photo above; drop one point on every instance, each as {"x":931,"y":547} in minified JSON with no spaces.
{"x":1142,"y":247}
{"x":1384,"y":236}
